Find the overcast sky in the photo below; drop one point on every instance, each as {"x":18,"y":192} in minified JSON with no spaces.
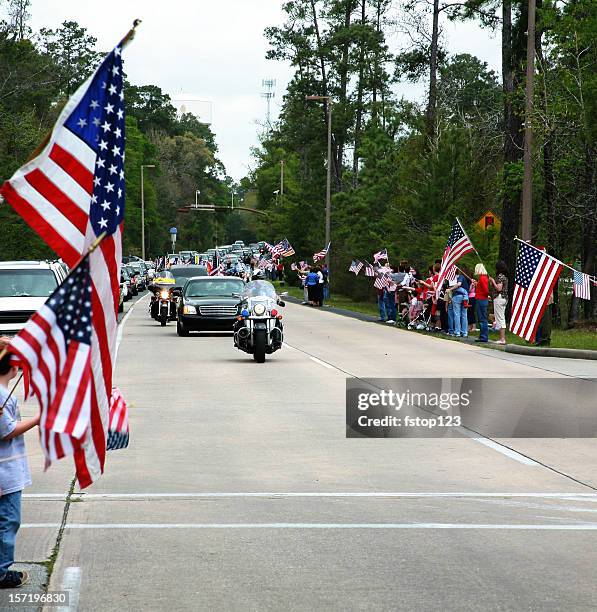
{"x":214,"y":49}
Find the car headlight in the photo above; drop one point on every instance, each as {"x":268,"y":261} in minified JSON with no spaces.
{"x":164,"y":294}
{"x":188,"y":309}
{"x":259,"y":309}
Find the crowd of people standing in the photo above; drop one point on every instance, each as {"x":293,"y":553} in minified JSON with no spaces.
{"x":457,"y":307}
{"x":315,"y":282}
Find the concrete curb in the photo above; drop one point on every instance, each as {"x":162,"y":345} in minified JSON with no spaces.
{"x":548,"y":351}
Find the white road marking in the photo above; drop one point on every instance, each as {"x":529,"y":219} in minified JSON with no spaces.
{"x":322,"y":363}
{"x":122,"y":323}
{"x":504,"y":450}
{"x":342,"y":494}
{"x":496,"y":446}
{"x":496,"y":526}
{"x":71,"y":582}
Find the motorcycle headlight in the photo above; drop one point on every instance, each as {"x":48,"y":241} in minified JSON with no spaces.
{"x":164,"y":294}
{"x":259,"y":309}
{"x":188,"y":309}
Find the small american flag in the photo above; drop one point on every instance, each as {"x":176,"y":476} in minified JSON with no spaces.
{"x":369,"y":270}
{"x":118,"y":429}
{"x":356,"y":267}
{"x":381,"y":281}
{"x":536,"y":274}
{"x":458,"y":245}
{"x":383,"y":254}
{"x":214,"y":270}
{"x":582,"y":286}
{"x":54,"y":348}
{"x":321,"y":254}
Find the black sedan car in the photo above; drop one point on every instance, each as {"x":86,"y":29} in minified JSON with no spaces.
{"x":182,"y":274}
{"x":209,"y":303}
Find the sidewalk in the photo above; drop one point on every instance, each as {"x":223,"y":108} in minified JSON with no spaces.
{"x":537,"y":351}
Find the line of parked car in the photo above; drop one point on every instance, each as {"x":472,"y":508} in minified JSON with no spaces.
{"x":135,"y":276}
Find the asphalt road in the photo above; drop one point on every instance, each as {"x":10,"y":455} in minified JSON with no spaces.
{"x":240,"y":491}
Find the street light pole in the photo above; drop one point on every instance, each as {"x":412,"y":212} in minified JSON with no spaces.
{"x":328,"y":187}
{"x":143,"y":210}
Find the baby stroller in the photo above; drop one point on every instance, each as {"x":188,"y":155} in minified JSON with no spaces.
{"x":419,"y":315}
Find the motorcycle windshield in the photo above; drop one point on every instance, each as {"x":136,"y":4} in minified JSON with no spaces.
{"x":259,"y":288}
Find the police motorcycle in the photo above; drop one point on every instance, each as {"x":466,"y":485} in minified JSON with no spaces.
{"x":164,"y":297}
{"x":258,"y":329}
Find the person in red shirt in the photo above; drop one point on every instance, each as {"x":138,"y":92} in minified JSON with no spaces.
{"x":482,"y":296}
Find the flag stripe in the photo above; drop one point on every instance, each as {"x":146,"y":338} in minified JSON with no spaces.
{"x":73,"y":145}
{"x":73,"y":167}
{"x":46,"y":189}
{"x":53,"y":172}
{"x":53,"y":238}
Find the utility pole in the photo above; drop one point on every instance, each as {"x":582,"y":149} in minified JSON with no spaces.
{"x":527,"y":185}
{"x":281,"y":181}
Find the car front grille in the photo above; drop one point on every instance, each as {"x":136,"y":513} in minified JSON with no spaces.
{"x":15,"y":316}
{"x":218,"y":311}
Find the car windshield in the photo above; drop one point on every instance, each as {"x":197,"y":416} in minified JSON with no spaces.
{"x":27,"y":283}
{"x":184,"y":272}
{"x":259,"y":288}
{"x":213,"y":287}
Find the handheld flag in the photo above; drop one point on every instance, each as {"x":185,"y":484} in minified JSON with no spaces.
{"x":118,"y":429}
{"x":458,"y":245}
{"x":282,"y":249}
{"x":321,"y":254}
{"x":581,"y":286}
{"x":70,"y":193}
{"x":380,"y":255}
{"x":54,"y":349}
{"x":356,"y":267}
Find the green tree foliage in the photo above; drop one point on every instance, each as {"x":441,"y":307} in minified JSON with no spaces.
{"x":391,"y":188}
{"x":38,"y":73}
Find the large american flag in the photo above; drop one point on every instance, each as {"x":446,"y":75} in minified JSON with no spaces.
{"x":321,"y":254}
{"x":458,"y":245}
{"x":283,"y":248}
{"x":581,"y":285}
{"x":54,"y":349}
{"x":536,"y":274}
{"x":70,"y":193}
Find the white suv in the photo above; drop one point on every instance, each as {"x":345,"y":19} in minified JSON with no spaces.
{"x":24,"y":288}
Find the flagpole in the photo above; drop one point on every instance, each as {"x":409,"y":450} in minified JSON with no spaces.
{"x":42,"y":145}
{"x":471,"y":242}
{"x":130,"y":34}
{"x":12,"y":390}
